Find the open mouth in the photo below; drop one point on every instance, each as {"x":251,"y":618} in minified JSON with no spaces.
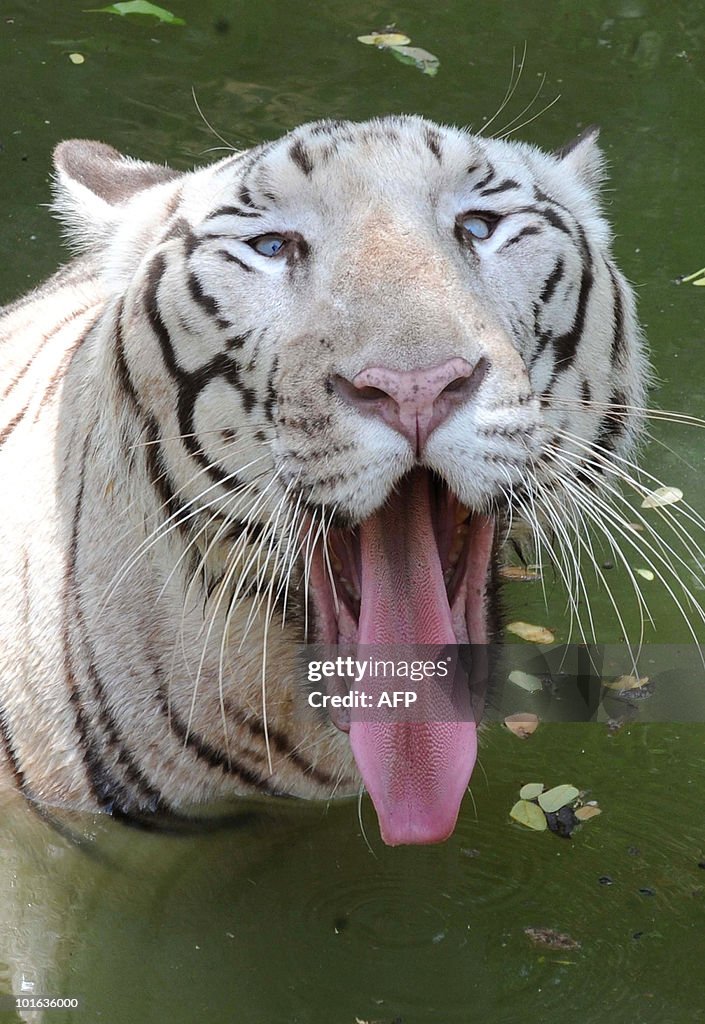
{"x":414,"y":575}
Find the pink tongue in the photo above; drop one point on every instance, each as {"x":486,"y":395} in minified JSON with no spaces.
{"x":416,"y":772}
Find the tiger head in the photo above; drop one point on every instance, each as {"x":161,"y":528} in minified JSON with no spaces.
{"x":369,"y":345}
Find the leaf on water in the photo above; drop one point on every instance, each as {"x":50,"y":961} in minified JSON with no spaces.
{"x":587,"y":812}
{"x":645,"y":574}
{"x":525,"y":681}
{"x":139,"y":7}
{"x":519,"y":572}
{"x":534,"y":634}
{"x":427,"y":63}
{"x":662,"y":496}
{"x":551,"y":939}
{"x":384,"y":39}
{"x":77,"y":58}
{"x":697,"y":278}
{"x":530,"y":815}
{"x":626,"y":683}
{"x":522,"y":724}
{"x":553,"y":799}
{"x":531,"y":790}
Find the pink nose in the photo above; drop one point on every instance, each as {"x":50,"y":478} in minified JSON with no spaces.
{"x":414,"y":402}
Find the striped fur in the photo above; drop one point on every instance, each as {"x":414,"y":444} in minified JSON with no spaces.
{"x":169,"y":430}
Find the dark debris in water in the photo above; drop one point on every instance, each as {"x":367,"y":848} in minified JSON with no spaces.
{"x":606,"y":880}
{"x":549,"y":938}
{"x":562,"y":822}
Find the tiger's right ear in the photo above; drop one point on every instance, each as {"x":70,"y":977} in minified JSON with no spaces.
{"x":92,"y":181}
{"x":584,"y":157}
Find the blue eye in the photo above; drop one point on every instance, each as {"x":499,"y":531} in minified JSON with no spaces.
{"x":478,"y":226}
{"x":268,"y":245}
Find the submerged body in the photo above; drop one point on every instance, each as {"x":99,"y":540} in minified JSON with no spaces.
{"x":284,"y":398}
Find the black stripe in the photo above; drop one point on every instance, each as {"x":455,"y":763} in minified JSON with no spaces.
{"x":231,"y":211}
{"x":190,"y":385}
{"x":530,"y":229}
{"x":281,"y":743}
{"x":47,"y":337}
{"x":612,"y":425}
{"x":271,"y":398}
{"x":301,"y":157}
{"x":154,"y":456}
{"x":236,"y":260}
{"x":433,"y":141}
{"x":618,"y":337}
{"x":490,"y":176}
{"x":552,"y":281}
{"x":102,"y":785}
{"x":213,"y":757}
{"x":504,"y":186}
{"x":204,"y":300}
{"x":566,"y":345}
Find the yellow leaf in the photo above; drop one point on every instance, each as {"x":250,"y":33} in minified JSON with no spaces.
{"x":530,"y":815}
{"x":587,"y":812}
{"x":530,"y":790}
{"x":662,"y":496}
{"x":626,"y":683}
{"x":645,"y":573}
{"x":519,"y":572}
{"x":553,"y":799}
{"x":77,"y":58}
{"x":534,"y":634}
{"x":384,"y":39}
{"x":522,"y":724}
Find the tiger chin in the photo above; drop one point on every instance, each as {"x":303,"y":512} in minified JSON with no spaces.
{"x":290,"y":397}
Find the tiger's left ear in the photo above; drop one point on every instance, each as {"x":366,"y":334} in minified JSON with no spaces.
{"x":584,"y":157}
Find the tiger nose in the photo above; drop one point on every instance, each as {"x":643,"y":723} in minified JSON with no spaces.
{"x":414,"y":402}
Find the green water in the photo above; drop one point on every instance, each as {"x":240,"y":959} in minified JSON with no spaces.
{"x":296,"y":918}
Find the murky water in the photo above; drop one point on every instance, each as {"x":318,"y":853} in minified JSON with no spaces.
{"x":297,"y":917}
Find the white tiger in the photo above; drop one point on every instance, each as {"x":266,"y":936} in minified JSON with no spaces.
{"x":290,"y":396}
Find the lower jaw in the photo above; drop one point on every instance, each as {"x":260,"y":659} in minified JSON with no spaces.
{"x":415,"y":766}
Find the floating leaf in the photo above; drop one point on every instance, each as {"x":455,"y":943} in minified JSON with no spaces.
{"x":524,"y":573}
{"x":384,"y":39}
{"x":525,"y":681}
{"x":139,"y":7}
{"x":625,"y":683}
{"x":662,"y":496}
{"x":697,"y":278}
{"x":531,"y":790}
{"x":551,"y":939}
{"x":523,"y":724}
{"x":529,"y":814}
{"x":587,"y":812}
{"x":645,"y":574}
{"x":559,"y":796}
{"x":77,"y":58}
{"x":427,"y":63}
{"x":534,"y":634}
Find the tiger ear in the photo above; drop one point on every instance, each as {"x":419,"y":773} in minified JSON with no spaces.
{"x":584,"y":157}
{"x":92,"y":181}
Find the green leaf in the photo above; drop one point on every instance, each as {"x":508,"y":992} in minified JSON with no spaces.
{"x":139,"y":7}
{"x":426,"y":62}
{"x":531,"y":790}
{"x":530,"y":815}
{"x":559,"y":796}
